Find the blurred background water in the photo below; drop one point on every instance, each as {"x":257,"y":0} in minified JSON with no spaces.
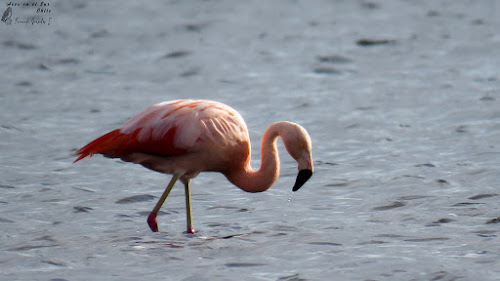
{"x":400,"y":99}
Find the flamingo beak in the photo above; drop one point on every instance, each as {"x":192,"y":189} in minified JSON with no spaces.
{"x":302,"y":177}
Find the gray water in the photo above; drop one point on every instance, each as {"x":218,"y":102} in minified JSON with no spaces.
{"x":401,"y":99}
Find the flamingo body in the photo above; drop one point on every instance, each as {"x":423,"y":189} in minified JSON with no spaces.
{"x":176,"y":128}
{"x":186,"y":137}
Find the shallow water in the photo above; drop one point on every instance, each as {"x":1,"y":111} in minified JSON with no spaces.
{"x":405,"y":132}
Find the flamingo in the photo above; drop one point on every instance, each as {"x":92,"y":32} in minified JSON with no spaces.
{"x":186,"y":137}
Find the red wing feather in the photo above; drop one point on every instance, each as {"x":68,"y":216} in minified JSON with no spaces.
{"x":118,"y":144}
{"x":172,"y":128}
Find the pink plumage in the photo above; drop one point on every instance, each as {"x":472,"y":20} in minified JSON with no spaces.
{"x":171,"y":128}
{"x":186,"y":137}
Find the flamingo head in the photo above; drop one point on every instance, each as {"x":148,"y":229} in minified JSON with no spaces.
{"x":298,"y":145}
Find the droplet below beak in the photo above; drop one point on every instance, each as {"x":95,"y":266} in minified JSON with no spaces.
{"x":302,"y":177}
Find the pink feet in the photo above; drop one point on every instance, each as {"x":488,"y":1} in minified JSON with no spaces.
{"x":154,"y":225}
{"x":152,"y":221}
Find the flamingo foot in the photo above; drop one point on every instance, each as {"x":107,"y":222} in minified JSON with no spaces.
{"x":152,"y":221}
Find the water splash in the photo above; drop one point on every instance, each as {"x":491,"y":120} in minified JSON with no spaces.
{"x":288,"y":205}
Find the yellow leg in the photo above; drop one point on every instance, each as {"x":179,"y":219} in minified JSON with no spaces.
{"x":152,"y":216}
{"x":189,"y":216}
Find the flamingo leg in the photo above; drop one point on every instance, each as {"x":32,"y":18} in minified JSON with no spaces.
{"x":152,"y":216}
{"x":189,"y":216}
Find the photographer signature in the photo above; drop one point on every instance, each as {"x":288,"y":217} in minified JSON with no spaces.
{"x":7,"y":16}
{"x":7,"y":19}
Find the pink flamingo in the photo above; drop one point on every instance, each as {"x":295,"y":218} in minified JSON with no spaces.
{"x":186,"y":137}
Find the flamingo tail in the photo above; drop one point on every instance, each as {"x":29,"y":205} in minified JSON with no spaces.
{"x":112,"y":141}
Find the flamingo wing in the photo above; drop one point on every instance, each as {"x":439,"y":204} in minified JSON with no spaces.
{"x":172,"y":128}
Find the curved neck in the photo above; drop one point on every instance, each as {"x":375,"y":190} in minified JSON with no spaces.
{"x":262,"y":179}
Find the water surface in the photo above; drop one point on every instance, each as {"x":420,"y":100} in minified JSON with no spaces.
{"x":400,"y":99}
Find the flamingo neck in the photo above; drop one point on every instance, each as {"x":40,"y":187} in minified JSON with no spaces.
{"x":262,"y":179}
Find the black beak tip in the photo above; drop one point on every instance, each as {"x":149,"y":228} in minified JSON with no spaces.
{"x":302,"y":177}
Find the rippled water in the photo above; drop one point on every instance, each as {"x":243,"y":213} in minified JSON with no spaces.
{"x":400,"y":99}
